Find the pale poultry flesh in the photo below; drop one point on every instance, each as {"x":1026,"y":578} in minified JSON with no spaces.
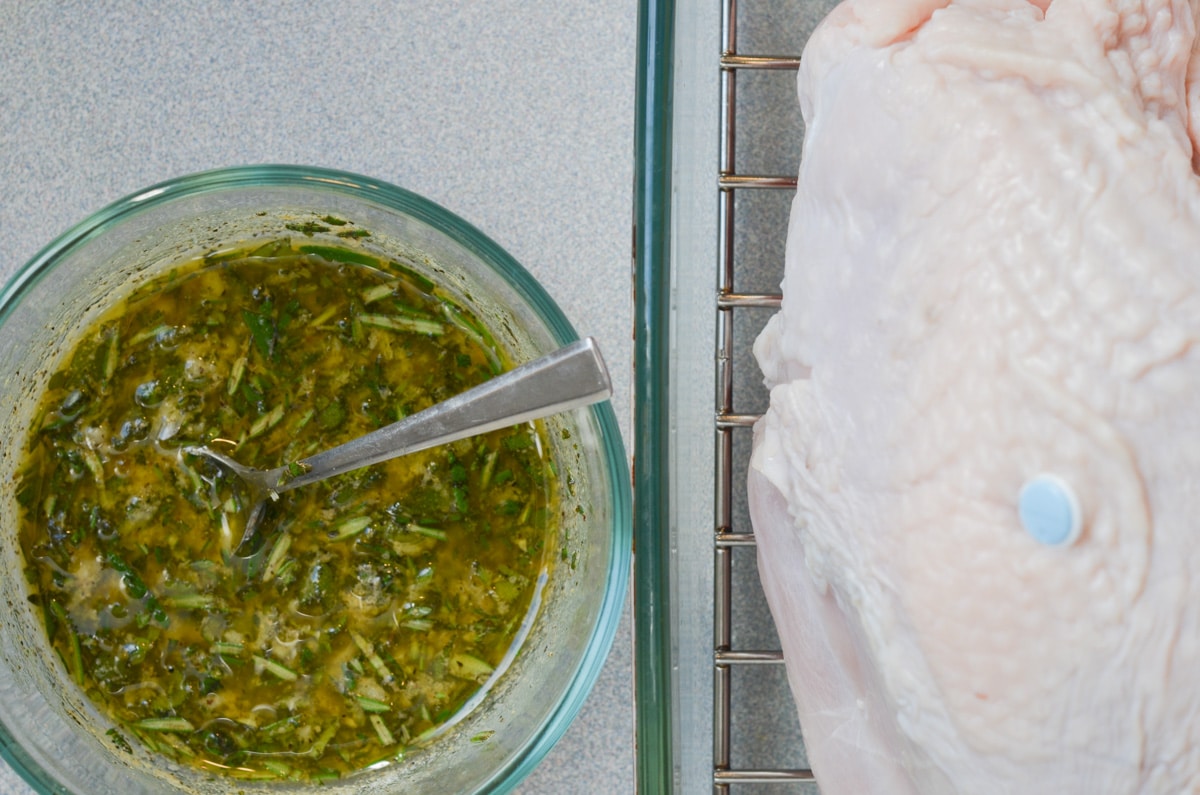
{"x":992,"y":273}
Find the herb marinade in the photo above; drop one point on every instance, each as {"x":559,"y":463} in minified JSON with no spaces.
{"x":370,"y":606}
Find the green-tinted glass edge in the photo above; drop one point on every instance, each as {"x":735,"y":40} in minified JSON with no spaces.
{"x":651,"y":593}
{"x":283,"y":175}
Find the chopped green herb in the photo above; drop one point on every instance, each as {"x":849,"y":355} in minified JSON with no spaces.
{"x":276,"y":669}
{"x":153,"y":333}
{"x":76,"y":659}
{"x":119,"y":740}
{"x":378,"y":292}
{"x":403,"y":323}
{"x":163,"y":725}
{"x":424,"y":284}
{"x":349,"y":528}
{"x":111,"y":353}
{"x":137,"y":589}
{"x":381,"y":729}
{"x":376,"y":661}
{"x":418,"y":624}
{"x":332,"y":416}
{"x":193,"y":601}
{"x":428,"y":532}
{"x":318,"y":747}
{"x":280,"y":769}
{"x":276,"y":558}
{"x":336,"y":254}
{"x":262,"y":331}
{"x":468,"y":666}
{"x":368,"y":608}
{"x":308,"y":229}
{"x":266,"y":422}
{"x":372,"y":705}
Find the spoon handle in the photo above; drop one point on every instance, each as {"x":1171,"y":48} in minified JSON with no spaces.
{"x":568,"y":378}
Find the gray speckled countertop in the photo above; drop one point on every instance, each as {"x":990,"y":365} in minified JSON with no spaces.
{"x":517,"y":116}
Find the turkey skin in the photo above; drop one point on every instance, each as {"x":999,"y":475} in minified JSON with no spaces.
{"x":992,"y":274}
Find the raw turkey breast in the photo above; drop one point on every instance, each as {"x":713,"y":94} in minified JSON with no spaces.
{"x":993,"y":274}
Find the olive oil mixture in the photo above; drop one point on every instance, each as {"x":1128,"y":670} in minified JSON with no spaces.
{"x":369,"y":607}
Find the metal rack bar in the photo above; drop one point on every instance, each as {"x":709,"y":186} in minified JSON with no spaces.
{"x":726,"y":778}
{"x":734,"y":300}
{"x":727,"y":421}
{"x":731,"y":60}
{"x":748,"y":657}
{"x":730,"y":181}
{"x":723,"y":555}
{"x":732,"y":540}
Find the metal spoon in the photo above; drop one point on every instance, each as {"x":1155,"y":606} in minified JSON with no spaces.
{"x":568,"y":378}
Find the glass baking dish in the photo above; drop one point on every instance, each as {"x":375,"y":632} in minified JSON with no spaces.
{"x":718,"y":148}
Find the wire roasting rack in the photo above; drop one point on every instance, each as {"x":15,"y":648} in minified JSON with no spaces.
{"x":726,"y":656}
{"x":719,"y":145}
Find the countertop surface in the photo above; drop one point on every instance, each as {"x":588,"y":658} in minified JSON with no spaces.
{"x":517,"y":116}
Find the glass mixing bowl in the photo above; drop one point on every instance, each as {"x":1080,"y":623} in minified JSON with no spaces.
{"x":50,"y":733}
